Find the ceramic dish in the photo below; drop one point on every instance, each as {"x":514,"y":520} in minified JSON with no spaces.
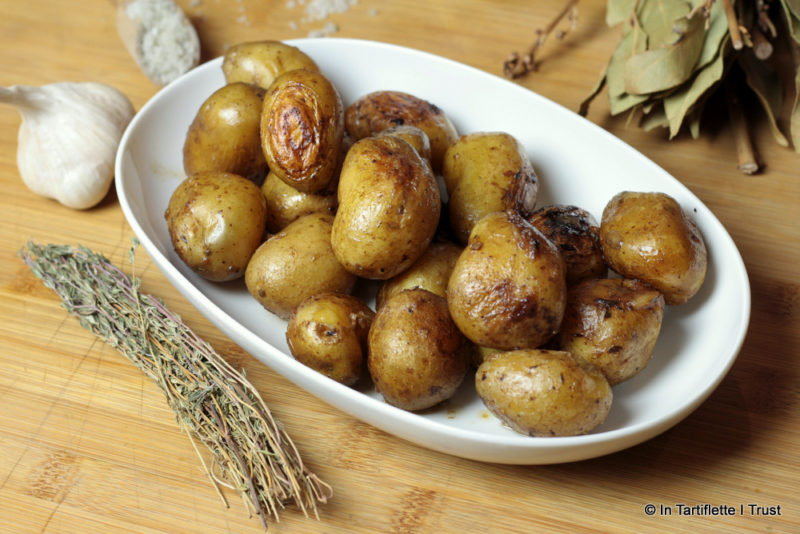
{"x":577,"y":163}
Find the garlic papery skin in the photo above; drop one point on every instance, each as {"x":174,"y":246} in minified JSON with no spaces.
{"x":68,"y":138}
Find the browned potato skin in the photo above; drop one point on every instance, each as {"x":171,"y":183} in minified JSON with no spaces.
{"x":431,"y":272}
{"x":508,"y":288}
{"x":416,"y":137}
{"x":576,"y":234}
{"x":260,"y":62}
{"x":649,"y":237}
{"x":389,"y":207}
{"x":486,"y":172}
{"x":225,"y":134}
{"x":216,"y":221}
{"x":296,"y":263}
{"x":612,"y":324}
{"x":302,"y":125}
{"x":544,"y":393}
{"x":417,"y":357}
{"x":328,"y":332}
{"x":380,"y":110}
{"x":285,"y":204}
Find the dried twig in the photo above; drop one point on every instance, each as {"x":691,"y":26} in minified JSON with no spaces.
{"x":733,"y":25}
{"x":516,"y":66}
{"x":748,"y":162}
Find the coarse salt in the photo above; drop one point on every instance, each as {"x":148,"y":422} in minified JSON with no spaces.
{"x":167,"y":45}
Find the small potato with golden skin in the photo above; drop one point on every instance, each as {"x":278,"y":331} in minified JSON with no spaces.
{"x":431,"y":272}
{"x":647,"y":236}
{"x":544,"y":393}
{"x":225,"y":134}
{"x":286,"y":204}
{"x":613,"y":324}
{"x":486,"y":172}
{"x":417,"y":357}
{"x":380,"y":110}
{"x":389,"y":207}
{"x":575,"y":232}
{"x":302,"y":127}
{"x":508,"y":287}
{"x":216,"y":221}
{"x":296,"y":263}
{"x":260,"y":62}
{"x":328,"y":332}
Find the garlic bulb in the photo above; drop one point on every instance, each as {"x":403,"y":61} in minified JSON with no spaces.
{"x":68,"y":138}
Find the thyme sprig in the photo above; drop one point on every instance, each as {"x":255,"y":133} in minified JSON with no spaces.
{"x":213,"y":403}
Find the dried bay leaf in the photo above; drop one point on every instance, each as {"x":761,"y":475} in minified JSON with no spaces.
{"x":666,"y":67}
{"x":655,"y":119}
{"x":792,"y":21}
{"x":633,"y":42}
{"x":715,"y":34}
{"x":793,"y":6}
{"x":694,"y":121}
{"x":794,"y":113}
{"x":633,"y":38}
{"x":679,"y":103}
{"x":765,"y":83}
{"x":618,"y":10}
{"x":598,"y":86}
{"x":657,"y":19}
{"x":794,"y":118}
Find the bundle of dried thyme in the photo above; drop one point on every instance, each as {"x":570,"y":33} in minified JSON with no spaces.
{"x":214,"y":403}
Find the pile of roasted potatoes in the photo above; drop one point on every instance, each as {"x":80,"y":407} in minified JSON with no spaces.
{"x":307,"y":198}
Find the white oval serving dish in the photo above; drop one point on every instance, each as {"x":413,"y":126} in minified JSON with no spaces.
{"x":577,"y":162}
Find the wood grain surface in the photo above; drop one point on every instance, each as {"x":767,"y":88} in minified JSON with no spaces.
{"x":87,"y":443}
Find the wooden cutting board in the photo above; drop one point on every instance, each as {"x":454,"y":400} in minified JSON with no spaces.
{"x":87,"y":443}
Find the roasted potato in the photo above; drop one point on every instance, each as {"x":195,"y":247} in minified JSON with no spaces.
{"x":216,"y":221}
{"x":285,"y":204}
{"x":486,"y":172}
{"x":380,"y":110}
{"x":544,"y":393}
{"x":225,"y":134}
{"x":328,"y":332}
{"x":575,"y":232}
{"x":508,"y":287}
{"x":260,"y":62}
{"x":431,"y":272}
{"x":613,"y":324}
{"x":302,"y":125}
{"x":296,"y":263}
{"x":648,"y":236}
{"x":417,"y":357}
{"x":389,"y":207}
